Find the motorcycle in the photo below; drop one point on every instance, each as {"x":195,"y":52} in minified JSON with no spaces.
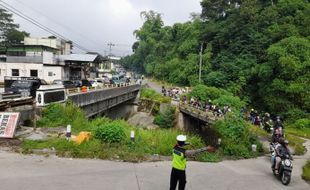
{"x":267,"y":125}
{"x":285,"y":168}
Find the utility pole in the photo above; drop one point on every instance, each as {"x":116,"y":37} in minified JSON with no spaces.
{"x":200,"y":61}
{"x":110,"y":47}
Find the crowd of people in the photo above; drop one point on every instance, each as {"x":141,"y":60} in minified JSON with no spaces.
{"x":265,"y":121}
{"x":174,"y":92}
{"x":177,"y":95}
{"x":208,"y":106}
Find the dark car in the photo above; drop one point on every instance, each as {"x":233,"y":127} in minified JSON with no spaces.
{"x":86,"y":83}
{"x":65,"y":83}
{"x":20,"y":86}
{"x":8,"y":81}
{"x":77,"y":83}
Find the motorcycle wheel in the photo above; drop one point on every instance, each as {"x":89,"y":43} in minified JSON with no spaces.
{"x":285,"y":179}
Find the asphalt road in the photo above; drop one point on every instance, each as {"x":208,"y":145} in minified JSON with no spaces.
{"x":32,"y":172}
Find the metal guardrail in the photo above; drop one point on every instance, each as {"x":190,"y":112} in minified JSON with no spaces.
{"x":13,"y":100}
{"x":9,"y":103}
{"x":99,"y":87}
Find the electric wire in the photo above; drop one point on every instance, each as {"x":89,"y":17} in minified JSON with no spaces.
{"x":15,"y":11}
{"x":58,"y":23}
{"x":36,"y":23}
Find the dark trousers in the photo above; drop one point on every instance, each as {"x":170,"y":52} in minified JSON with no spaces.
{"x":177,"y":176}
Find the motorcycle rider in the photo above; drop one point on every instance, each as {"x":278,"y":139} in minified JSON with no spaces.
{"x":252,"y":116}
{"x":276,"y":136}
{"x":267,"y":122}
{"x":281,"y":150}
{"x":279,"y":125}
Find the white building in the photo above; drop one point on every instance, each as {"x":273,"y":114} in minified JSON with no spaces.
{"x":32,"y":61}
{"x":63,"y":47}
{"x":49,"y":59}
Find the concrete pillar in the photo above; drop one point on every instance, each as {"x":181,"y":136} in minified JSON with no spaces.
{"x":180,"y":121}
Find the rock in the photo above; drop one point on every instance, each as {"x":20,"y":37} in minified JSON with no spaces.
{"x":22,"y":131}
{"x":142,"y":119}
{"x":37,"y":136}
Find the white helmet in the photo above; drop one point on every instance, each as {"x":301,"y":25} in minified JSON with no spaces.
{"x":181,"y":138}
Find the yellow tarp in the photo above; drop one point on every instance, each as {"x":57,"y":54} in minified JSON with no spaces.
{"x":83,"y":136}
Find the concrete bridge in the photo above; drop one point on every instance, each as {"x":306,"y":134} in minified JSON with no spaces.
{"x":101,"y":100}
{"x":205,"y":116}
{"x":198,"y":121}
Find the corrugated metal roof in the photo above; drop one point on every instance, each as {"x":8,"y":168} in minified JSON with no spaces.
{"x":79,"y":57}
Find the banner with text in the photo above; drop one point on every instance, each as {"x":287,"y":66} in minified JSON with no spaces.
{"x":8,"y":123}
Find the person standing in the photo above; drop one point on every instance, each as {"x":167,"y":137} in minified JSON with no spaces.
{"x":178,"y":175}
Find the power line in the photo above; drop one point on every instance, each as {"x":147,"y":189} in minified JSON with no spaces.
{"x":56,"y":22}
{"x":36,"y":23}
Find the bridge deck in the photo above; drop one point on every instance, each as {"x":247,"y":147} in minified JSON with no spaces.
{"x":206,"y":116}
{"x":95,"y":102}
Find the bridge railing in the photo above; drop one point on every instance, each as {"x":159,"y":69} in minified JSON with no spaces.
{"x":99,"y":87}
{"x":203,"y":113}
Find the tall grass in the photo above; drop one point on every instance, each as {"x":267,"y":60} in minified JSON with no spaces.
{"x":146,"y":143}
{"x":55,"y":115}
{"x":306,"y":171}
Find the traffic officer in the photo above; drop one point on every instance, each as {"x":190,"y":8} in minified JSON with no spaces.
{"x":179,"y":162}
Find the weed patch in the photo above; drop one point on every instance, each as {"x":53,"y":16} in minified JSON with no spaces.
{"x":306,"y":171}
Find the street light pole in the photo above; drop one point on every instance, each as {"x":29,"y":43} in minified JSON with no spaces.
{"x":200,"y":61}
{"x":110,"y":45}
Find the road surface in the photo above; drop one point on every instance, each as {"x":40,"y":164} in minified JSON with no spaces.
{"x":33,"y":172}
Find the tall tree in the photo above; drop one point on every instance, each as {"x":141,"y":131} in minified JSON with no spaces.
{"x":9,"y":33}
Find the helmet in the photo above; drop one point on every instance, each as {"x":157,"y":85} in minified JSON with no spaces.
{"x":252,"y":109}
{"x":181,"y":138}
{"x":267,"y":114}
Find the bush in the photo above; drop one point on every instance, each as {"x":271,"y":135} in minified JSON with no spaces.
{"x":302,"y":123}
{"x":217,"y":95}
{"x":204,"y":93}
{"x":236,"y":150}
{"x":110,"y":133}
{"x":230,"y":100}
{"x":294,"y":114}
{"x":209,"y":157}
{"x":153,"y":95}
{"x":166,"y":119}
{"x":237,"y":138}
{"x":306,"y":171}
{"x":55,"y":115}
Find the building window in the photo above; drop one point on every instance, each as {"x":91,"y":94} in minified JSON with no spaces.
{"x":15,"y":72}
{"x":34,"y":73}
{"x":50,"y":74}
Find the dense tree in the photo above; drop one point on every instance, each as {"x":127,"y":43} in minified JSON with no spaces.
{"x":256,"y":49}
{"x":9,"y":33}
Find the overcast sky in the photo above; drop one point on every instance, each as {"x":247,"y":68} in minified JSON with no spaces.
{"x":94,"y":23}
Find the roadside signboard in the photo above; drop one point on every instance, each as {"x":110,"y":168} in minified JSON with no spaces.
{"x":8,"y":123}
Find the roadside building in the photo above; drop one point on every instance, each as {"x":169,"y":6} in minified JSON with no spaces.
{"x":31,"y":61}
{"x":108,"y":66}
{"x":81,"y":66}
{"x":63,"y":47}
{"x":49,"y":59}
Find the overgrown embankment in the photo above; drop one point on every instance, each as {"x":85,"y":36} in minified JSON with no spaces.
{"x":110,"y":139}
